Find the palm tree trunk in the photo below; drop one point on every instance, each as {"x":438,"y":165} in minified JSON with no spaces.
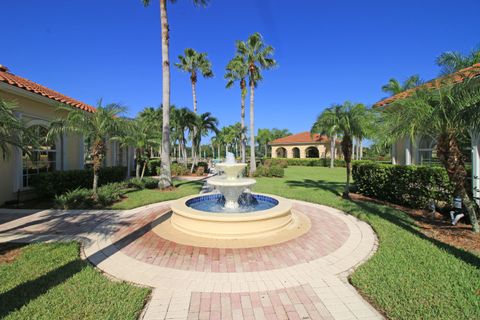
{"x":194,"y":96}
{"x":266,"y":150}
{"x":451,"y":156}
{"x":347,"y":154}
{"x":332,"y":150}
{"x":242,"y":118}
{"x":166,"y":174}
{"x":143,"y":169}
{"x":253,"y":164}
{"x":218,"y":151}
{"x":361,"y":150}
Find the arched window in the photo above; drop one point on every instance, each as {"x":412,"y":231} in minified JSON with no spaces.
{"x":281,"y":152}
{"x":312,"y":152}
{"x":42,"y":157}
{"x":426,"y":150}
{"x":296,"y":152}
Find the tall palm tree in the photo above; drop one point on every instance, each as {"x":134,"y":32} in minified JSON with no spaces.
{"x":348,"y":118}
{"x":166,"y":174}
{"x":12,"y":131}
{"x":258,"y":57}
{"x":194,"y":63}
{"x":328,"y":123}
{"x":449,"y":113}
{"x":453,"y":61}
{"x":97,"y":127}
{"x":237,"y":70}
{"x":394,"y":86}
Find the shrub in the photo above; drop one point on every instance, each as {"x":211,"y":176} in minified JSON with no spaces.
{"x":276,"y":161}
{"x":109,"y":193}
{"x":150,"y":183}
{"x":200,"y":171}
{"x":153,"y":166}
{"x":204,"y":165}
{"x":79,"y":198}
{"x":309,"y":162}
{"x":54,"y":183}
{"x":179,"y":169}
{"x":140,"y":184}
{"x":273,"y":171}
{"x":412,"y":186}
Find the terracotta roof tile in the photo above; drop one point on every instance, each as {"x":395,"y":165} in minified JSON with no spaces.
{"x":303,"y":137}
{"x":19,"y":82}
{"x":459,"y":76}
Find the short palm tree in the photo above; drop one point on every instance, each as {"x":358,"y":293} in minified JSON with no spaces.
{"x":394,"y":86}
{"x":237,"y":70}
{"x":12,"y":131}
{"x":258,"y":57}
{"x":348,"y":119}
{"x":97,"y":127}
{"x":183,"y":121}
{"x":264,"y":136}
{"x":453,"y":61}
{"x":450,"y":114}
{"x":204,"y":123}
{"x":166,"y":174}
{"x":328,"y":123}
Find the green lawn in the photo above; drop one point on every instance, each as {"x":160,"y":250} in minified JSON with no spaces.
{"x":411,"y":276}
{"x":50,"y":281}
{"x":147,"y":196}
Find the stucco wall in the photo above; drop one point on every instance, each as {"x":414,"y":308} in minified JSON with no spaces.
{"x":322,"y":149}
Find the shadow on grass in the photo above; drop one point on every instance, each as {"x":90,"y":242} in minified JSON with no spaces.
{"x":408,"y":225}
{"x":330,"y":186}
{"x":22,"y":294}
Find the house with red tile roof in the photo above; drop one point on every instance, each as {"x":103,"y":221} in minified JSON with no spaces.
{"x":37,"y":106}
{"x":302,"y":145}
{"x":421,"y":150}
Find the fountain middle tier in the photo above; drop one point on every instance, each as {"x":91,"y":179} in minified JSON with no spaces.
{"x":231,"y":188}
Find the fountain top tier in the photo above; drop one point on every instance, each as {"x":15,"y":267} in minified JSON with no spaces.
{"x":230,"y":167}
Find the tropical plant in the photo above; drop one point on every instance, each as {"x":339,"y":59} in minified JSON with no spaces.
{"x":450,"y":114}
{"x":347,"y":119}
{"x":237,"y":70}
{"x":453,"y":61}
{"x":328,"y":124}
{"x":258,"y":56}
{"x":264,"y":136}
{"x":183,"y":120}
{"x":204,"y":123}
{"x":12,"y":131}
{"x":166,"y":175}
{"x":394,"y":86}
{"x":97,"y":127}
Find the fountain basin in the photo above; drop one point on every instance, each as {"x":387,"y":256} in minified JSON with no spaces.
{"x":231,"y":188}
{"x":231,"y":225}
{"x":231,"y":170}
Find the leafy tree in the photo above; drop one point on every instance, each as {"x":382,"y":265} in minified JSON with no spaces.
{"x":453,"y":61}
{"x":97,"y":127}
{"x":394,"y":86}
{"x":203,"y":124}
{"x":237,"y":70}
{"x":328,"y":124}
{"x":258,"y":57}
{"x":166,"y":174}
{"x":449,"y":113}
{"x":183,"y":119}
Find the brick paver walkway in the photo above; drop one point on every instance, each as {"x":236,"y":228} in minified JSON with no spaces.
{"x":304,"y":278}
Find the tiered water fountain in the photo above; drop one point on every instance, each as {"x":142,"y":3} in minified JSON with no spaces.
{"x":233,"y":211}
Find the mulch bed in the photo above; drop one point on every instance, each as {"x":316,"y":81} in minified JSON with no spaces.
{"x":460,"y":235}
{"x":9,"y":251}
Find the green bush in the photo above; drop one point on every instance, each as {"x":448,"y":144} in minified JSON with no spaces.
{"x":153,"y":166}
{"x":140,"y":184}
{"x":200,"y":171}
{"x":179,"y":169}
{"x":273,"y":171}
{"x":412,"y":186}
{"x":50,"y":184}
{"x":202,"y":164}
{"x":110,"y":193}
{"x":309,"y":162}
{"x":82,"y":198}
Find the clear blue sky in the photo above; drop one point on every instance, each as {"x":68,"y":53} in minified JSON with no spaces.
{"x":328,"y":51}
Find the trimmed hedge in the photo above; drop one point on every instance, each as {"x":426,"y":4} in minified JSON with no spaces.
{"x":273,"y":171}
{"x":412,"y":186}
{"x":50,"y":184}
{"x":309,"y":162}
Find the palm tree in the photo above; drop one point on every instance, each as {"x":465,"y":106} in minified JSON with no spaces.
{"x":97,"y":127}
{"x":450,"y":114}
{"x":394,"y":86}
{"x":166,"y":174}
{"x":203,"y":124}
{"x":153,"y":117}
{"x":348,"y":119}
{"x":183,"y":120}
{"x":258,"y":57}
{"x":12,"y":131}
{"x":195,"y":62}
{"x":237,"y":70}
{"x":264,"y":136}
{"x":453,"y":61}
{"x":328,"y":123}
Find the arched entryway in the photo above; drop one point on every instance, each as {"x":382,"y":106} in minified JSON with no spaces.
{"x":296,"y":152}
{"x":312,"y":152}
{"x":281,"y":152}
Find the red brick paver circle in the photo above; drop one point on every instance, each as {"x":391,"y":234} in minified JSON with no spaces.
{"x":137,"y":240}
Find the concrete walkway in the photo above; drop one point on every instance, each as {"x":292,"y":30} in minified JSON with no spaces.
{"x":304,"y":278}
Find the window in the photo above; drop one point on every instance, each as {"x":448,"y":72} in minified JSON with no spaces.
{"x":42,"y":158}
{"x":426,"y":151}
{"x":119,"y":156}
